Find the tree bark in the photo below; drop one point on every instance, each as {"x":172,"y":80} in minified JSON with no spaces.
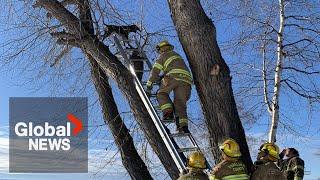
{"x":198,"y":38}
{"x":264,"y":78}
{"x":277,"y":76}
{"x":113,"y":68}
{"x":129,"y":155}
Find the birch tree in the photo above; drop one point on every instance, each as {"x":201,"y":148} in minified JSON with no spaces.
{"x":277,"y":75}
{"x":280,"y":41}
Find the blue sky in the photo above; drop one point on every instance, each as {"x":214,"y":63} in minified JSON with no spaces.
{"x":14,"y":83}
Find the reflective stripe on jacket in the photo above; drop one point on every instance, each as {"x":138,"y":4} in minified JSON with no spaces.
{"x":230,"y":170}
{"x":171,"y":64}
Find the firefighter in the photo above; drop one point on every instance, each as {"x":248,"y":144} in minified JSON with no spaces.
{"x":195,"y":164}
{"x":176,"y":78}
{"x":265,"y":167}
{"x":231,"y":167}
{"x":291,"y":164}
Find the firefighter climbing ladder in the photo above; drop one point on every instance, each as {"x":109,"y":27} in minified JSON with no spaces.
{"x":168,"y":138}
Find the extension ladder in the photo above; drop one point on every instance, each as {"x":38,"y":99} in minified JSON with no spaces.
{"x":168,"y":138}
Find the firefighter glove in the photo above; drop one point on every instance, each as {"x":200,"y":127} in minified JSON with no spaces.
{"x":148,"y":90}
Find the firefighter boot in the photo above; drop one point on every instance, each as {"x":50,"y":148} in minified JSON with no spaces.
{"x":181,"y":128}
{"x":168,"y":115}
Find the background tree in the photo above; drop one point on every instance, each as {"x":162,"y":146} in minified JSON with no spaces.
{"x":212,"y":78}
{"x":276,"y":46}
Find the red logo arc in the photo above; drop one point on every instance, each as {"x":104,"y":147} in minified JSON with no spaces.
{"x":77,"y":123}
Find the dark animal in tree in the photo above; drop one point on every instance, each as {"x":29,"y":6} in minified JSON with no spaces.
{"x":121,"y":30}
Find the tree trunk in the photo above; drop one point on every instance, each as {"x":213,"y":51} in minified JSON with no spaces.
{"x":129,"y":155}
{"x":116,"y":70}
{"x":198,"y":38}
{"x":264,"y":78}
{"x":277,"y":76}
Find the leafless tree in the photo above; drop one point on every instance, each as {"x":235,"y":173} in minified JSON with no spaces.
{"x":58,"y":52}
{"x":64,"y":24}
{"x":211,"y":74}
{"x":277,"y":47}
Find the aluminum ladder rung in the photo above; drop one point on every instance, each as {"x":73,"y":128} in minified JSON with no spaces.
{"x":155,"y":83}
{"x":168,"y":121}
{"x":180,"y":135}
{"x":188,"y":149}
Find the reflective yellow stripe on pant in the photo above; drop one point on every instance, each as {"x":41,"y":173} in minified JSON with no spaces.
{"x":166,"y":106}
{"x":236,"y":177}
{"x":183,"y":121}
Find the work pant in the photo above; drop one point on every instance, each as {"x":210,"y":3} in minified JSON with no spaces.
{"x":182,"y":92}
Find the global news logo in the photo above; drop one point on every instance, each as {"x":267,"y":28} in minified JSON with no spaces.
{"x":49,"y":137}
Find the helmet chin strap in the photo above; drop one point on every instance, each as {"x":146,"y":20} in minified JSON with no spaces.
{"x":264,"y":156}
{"x":265,"y":153}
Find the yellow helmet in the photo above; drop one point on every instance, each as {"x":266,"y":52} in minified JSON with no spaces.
{"x":196,"y":160}
{"x":231,"y":148}
{"x":163,"y":44}
{"x":270,"y":148}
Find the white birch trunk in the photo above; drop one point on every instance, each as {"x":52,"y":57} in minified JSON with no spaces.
{"x":264,"y":77}
{"x":277,"y":77}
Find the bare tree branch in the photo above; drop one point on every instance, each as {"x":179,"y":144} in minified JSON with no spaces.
{"x":301,"y":71}
{"x":302,"y":28}
{"x":299,"y":41}
{"x":65,"y":50}
{"x":287,"y":82}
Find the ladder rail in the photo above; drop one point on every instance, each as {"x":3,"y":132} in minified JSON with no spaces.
{"x":122,"y":52}
{"x":154,"y":116}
